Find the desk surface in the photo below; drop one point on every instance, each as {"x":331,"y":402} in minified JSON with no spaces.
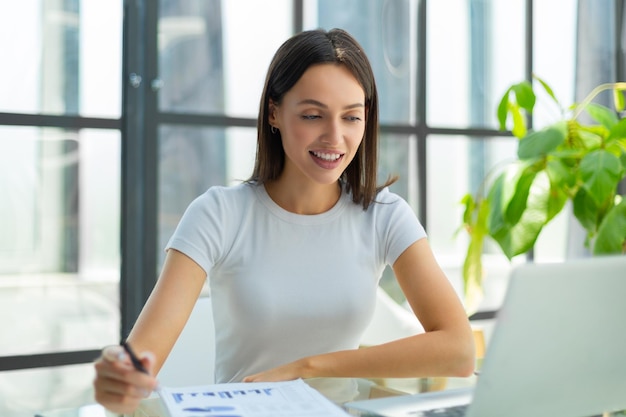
{"x":367,"y":389}
{"x":152,"y":407}
{"x":95,"y":410}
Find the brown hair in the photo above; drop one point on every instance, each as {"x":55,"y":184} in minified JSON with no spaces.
{"x":291,"y":60}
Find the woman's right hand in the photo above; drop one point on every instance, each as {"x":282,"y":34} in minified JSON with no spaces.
{"x":118,"y":386}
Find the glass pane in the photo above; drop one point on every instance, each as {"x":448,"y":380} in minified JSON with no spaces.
{"x":457,"y":166}
{"x":386,"y":30}
{"x":68,"y":58}
{"x":555,"y":21}
{"x":398,"y":156}
{"x":475,"y":51}
{"x":207,"y":63}
{"x":191,"y":159}
{"x":32,"y":392}
{"x":555,"y":24}
{"x":59,"y":247}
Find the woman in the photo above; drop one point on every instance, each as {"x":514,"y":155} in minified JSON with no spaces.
{"x":294,"y":255}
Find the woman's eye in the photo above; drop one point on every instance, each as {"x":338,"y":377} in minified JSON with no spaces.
{"x":353,"y":118}
{"x":310,"y":116}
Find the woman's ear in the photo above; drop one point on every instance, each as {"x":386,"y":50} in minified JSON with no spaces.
{"x":271,"y":113}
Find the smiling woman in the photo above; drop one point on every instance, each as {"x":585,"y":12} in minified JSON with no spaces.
{"x":295,"y":254}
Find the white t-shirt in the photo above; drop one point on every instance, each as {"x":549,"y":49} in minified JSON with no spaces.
{"x":285,"y":285}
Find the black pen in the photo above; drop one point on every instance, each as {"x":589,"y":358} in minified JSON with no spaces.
{"x":134,"y":359}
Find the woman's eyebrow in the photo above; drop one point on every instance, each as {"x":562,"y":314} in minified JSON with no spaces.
{"x":324,"y":106}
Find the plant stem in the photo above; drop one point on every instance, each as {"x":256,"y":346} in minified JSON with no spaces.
{"x":602,"y":87}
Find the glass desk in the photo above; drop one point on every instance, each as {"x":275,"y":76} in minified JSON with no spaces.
{"x":152,"y":407}
{"x":339,"y":391}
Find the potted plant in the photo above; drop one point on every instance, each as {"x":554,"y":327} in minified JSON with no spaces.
{"x":568,"y":163}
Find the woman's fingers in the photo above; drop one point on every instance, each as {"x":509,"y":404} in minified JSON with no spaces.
{"x":118,"y":386}
{"x":113,"y":353}
{"x":147,"y":360}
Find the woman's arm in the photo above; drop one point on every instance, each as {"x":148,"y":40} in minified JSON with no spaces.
{"x":118,"y":386}
{"x":168,"y":308}
{"x":445,"y":349}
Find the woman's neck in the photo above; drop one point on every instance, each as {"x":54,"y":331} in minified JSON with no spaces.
{"x":303,"y":198}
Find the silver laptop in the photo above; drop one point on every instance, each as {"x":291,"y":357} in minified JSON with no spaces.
{"x":558,"y":349}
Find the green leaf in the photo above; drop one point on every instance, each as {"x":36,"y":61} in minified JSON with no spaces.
{"x":548,"y":89}
{"x":569,"y":157}
{"x":503,"y":108}
{"x":600,"y":171}
{"x":472,"y":267}
{"x":592,"y":137}
{"x":508,"y":197}
{"x":519,"y":120}
{"x":496,"y":223}
{"x":468,"y":202}
{"x":560,"y":173}
{"x":620,"y":145}
{"x":585,"y":210}
{"x":563,"y":180}
{"x":521,"y":237}
{"x":618,"y":99}
{"x":473,"y":273}
{"x":611,"y":236}
{"x":556,"y":201}
{"x":541,"y":142}
{"x":603,"y":115}
{"x":618,"y":148}
{"x":524,"y":99}
{"x":516,"y":204}
{"x":524,"y":95}
{"x":618,"y":131}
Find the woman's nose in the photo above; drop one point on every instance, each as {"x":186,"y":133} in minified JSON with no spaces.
{"x":333,"y":133}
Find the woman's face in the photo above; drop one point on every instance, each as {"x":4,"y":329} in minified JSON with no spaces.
{"x":321,"y":122}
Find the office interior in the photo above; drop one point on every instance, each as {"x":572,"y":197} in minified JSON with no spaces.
{"x":115,"y":114}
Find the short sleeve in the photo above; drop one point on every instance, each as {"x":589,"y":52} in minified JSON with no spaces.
{"x":399,"y":225}
{"x":199,"y":234}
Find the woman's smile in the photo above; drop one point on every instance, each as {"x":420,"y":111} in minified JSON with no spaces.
{"x":327,"y":159}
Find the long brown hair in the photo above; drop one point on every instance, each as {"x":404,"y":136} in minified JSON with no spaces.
{"x":291,"y":60}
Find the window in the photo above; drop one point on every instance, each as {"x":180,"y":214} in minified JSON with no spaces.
{"x":60,"y":177}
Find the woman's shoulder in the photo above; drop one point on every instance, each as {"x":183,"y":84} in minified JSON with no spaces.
{"x":389,"y":206}
{"x":385,"y":200}
{"x":241,"y":191}
{"x":224,"y":197}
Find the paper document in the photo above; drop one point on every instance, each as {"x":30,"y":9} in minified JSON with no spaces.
{"x":252,"y":399}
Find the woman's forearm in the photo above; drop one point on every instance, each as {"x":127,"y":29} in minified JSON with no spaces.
{"x":436,"y":353}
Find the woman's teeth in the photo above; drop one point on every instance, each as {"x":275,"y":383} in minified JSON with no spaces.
{"x":327,"y":156}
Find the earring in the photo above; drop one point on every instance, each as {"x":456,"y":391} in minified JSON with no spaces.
{"x":273,"y":129}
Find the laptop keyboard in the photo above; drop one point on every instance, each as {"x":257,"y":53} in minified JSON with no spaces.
{"x":458,"y":411}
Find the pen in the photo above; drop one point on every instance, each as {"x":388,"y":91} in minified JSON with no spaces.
{"x":134,"y":359}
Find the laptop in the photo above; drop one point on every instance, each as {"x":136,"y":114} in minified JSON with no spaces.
{"x":558,"y":349}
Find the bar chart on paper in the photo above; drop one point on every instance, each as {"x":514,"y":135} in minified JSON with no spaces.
{"x":258,"y":399}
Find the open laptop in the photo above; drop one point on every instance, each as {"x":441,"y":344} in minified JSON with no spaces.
{"x":558,"y":349}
